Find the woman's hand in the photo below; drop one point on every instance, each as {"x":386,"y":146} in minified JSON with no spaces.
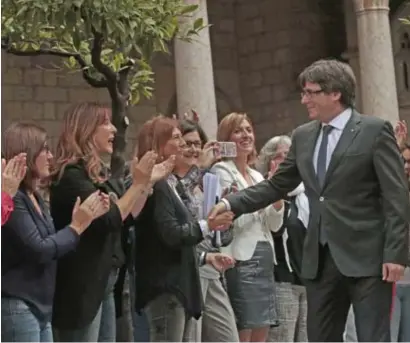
{"x":96,"y":205}
{"x":400,"y":132}
{"x":142,"y":170}
{"x":221,"y":222}
{"x":12,"y":173}
{"x":219,"y":261}
{"x":163,"y":169}
{"x":210,"y":154}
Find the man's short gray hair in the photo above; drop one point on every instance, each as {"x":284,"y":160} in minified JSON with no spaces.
{"x":268,"y":151}
{"x":331,"y":76}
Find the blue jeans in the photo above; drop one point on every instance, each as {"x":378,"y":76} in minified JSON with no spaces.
{"x":103,"y":326}
{"x":400,"y":322}
{"x":20,"y":324}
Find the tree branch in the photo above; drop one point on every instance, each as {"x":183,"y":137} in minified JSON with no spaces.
{"x":97,"y":83}
{"x":96,"y":50}
{"x":123,"y":78}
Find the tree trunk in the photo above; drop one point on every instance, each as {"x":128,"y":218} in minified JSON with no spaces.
{"x":119,"y":113}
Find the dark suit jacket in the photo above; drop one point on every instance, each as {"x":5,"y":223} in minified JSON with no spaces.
{"x":363,"y":205}
{"x":30,"y":248}
{"x":165,"y":251}
{"x":82,"y":275}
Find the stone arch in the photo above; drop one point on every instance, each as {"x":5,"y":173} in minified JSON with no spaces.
{"x":401,"y":51}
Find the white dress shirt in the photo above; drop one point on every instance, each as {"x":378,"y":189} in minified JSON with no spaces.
{"x":338,"y":123}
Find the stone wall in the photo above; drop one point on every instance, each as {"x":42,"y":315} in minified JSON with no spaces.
{"x":259,"y":47}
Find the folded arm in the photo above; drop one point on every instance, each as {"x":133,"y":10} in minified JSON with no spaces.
{"x":390,"y":172}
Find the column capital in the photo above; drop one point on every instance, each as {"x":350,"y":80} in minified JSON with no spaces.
{"x":371,"y":5}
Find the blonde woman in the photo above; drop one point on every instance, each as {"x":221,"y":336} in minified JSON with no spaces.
{"x":251,"y":284}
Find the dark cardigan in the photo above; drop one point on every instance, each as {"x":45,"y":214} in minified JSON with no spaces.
{"x":165,"y":260}
{"x":82,"y":275}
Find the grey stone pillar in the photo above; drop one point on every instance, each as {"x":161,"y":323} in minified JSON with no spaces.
{"x":194,"y":73}
{"x":378,"y":83}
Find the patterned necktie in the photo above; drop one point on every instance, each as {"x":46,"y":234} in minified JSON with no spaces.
{"x":322,"y":156}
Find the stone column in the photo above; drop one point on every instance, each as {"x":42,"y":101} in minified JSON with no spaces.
{"x":379,"y":95}
{"x":352,"y":52}
{"x":194,"y":73}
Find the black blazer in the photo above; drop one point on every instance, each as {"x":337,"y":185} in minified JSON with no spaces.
{"x":30,"y":248}
{"x":165,"y":251}
{"x":82,"y":275}
{"x":363,"y":205}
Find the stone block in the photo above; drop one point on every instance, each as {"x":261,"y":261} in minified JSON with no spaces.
{"x":258,"y":25}
{"x":33,"y":77}
{"x":260,"y":61}
{"x":226,"y":25}
{"x":81,"y":95}
{"x":49,"y":112}
{"x":61,"y":109}
{"x":18,"y":61}
{"x":253,"y":79}
{"x":263,"y":95}
{"x":279,"y":93}
{"x":12,"y":110}
{"x":32,"y":111}
{"x":13,"y":76}
{"x":50,"y":94}
{"x":22,"y":93}
{"x":6,"y":93}
{"x":71,"y":79}
{"x":247,"y":46}
{"x":281,"y":56}
{"x":225,"y":40}
{"x":50,"y":78}
{"x":244,"y":64}
{"x":247,"y":10}
{"x":271,"y":76}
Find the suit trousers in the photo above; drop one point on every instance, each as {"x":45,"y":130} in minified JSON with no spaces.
{"x":217,"y":323}
{"x":330,"y":295}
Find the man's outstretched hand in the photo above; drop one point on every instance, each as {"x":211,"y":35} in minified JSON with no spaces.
{"x":219,"y":208}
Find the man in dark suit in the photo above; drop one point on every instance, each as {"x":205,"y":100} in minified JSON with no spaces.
{"x":357,"y":238}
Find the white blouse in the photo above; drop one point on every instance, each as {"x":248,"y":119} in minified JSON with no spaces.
{"x":249,"y":228}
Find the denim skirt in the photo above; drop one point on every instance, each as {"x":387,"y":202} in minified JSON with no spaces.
{"x":251,"y":289}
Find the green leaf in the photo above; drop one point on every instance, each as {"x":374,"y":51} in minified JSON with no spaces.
{"x":198,"y":23}
{"x":189,"y":9}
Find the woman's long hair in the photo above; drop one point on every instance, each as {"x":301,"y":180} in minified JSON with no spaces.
{"x":76,"y":141}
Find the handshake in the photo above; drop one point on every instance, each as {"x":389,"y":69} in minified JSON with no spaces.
{"x":220,"y":219}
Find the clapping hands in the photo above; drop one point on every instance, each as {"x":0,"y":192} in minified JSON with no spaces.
{"x":12,"y":173}
{"x":91,"y":208}
{"x":400,"y":132}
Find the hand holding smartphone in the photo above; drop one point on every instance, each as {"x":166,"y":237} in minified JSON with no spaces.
{"x":227,"y":149}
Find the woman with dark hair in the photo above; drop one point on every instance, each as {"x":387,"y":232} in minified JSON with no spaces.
{"x":30,"y":244}
{"x":217,"y":323}
{"x":167,"y":281}
{"x":84,"y":308}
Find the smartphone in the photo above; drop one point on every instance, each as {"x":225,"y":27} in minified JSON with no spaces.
{"x":227,"y":149}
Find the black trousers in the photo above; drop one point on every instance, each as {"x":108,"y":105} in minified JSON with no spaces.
{"x":330,"y":295}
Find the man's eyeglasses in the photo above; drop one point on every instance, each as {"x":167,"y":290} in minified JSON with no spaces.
{"x":310,"y":93}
